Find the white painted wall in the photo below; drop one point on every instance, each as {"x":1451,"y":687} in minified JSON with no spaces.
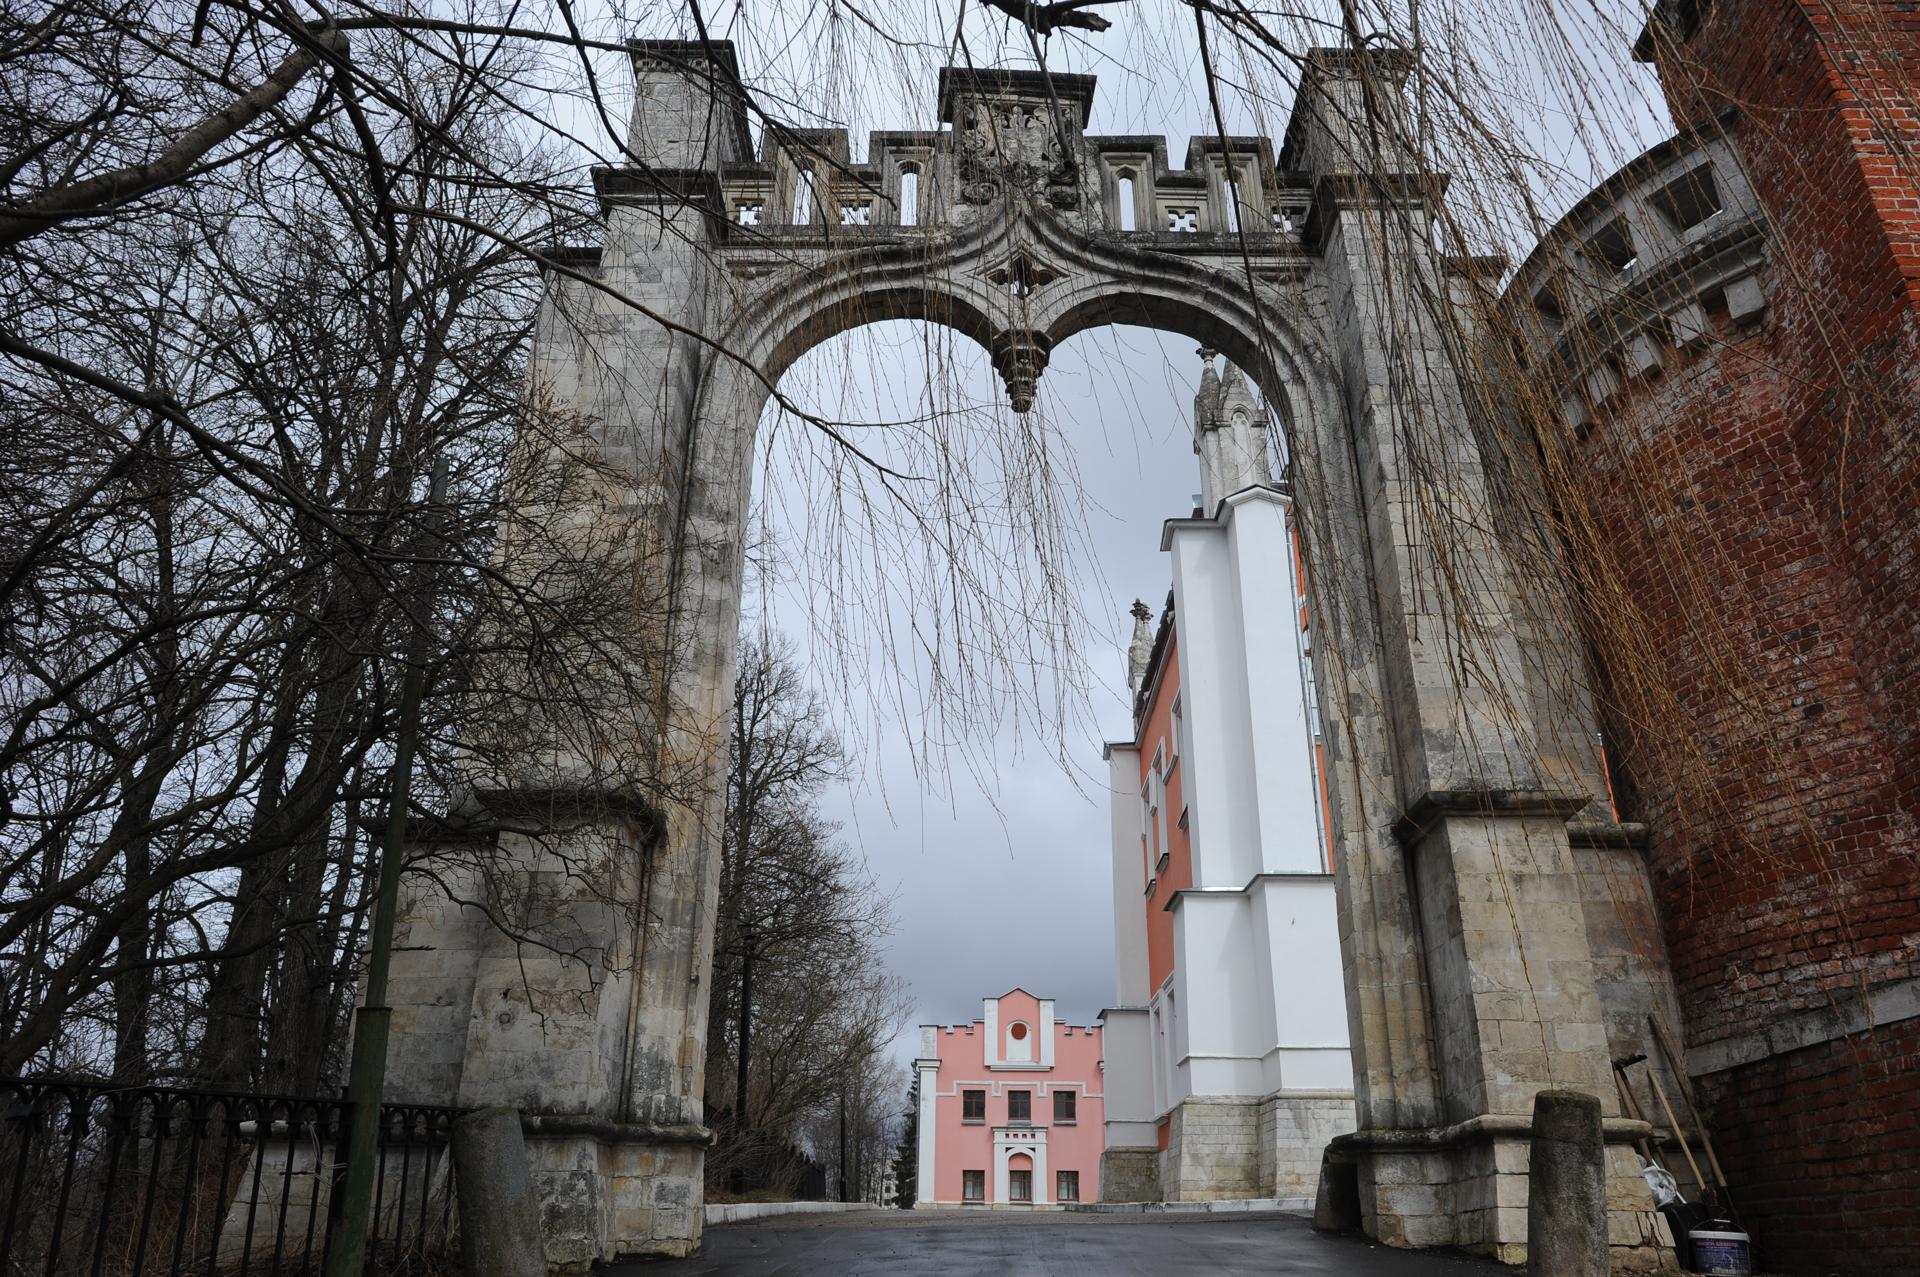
{"x":1129,"y":878}
{"x":928,"y":1066}
{"x":1274,"y":720}
{"x":1309,"y":1052}
{"x":1127,"y":1077}
{"x":1220,"y":978}
{"x":1223,"y":810}
{"x":1256,"y":1003}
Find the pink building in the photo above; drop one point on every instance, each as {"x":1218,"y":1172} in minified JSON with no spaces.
{"x":1012,"y":1115}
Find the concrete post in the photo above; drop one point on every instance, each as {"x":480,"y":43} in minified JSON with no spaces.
{"x":1567,"y":1187}
{"x":499,"y":1214}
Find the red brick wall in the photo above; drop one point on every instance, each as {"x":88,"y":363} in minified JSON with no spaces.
{"x":1761,"y":503}
{"x":1829,"y":1139}
{"x":1827,"y":93}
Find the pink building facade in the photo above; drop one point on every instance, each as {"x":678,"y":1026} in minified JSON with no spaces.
{"x":1012,"y":1112}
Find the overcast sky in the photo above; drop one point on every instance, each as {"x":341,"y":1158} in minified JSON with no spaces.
{"x":998,"y":855}
{"x":992,"y":837}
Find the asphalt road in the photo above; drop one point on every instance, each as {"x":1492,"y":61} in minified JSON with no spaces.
{"x":1053,"y":1244}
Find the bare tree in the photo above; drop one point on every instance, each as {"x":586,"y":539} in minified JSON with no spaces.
{"x":218,"y":405}
{"x":801,"y":1001}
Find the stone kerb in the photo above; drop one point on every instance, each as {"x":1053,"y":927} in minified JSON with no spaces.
{"x":741,"y":1212}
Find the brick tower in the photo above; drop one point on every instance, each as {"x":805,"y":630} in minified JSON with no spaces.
{"x":1751,"y":454}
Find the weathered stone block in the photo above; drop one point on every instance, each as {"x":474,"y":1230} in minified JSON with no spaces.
{"x":500,"y":1216}
{"x":1567,"y":1233}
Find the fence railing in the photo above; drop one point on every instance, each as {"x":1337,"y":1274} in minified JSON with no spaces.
{"x":107,"y":1181}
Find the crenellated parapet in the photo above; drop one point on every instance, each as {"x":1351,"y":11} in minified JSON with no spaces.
{"x":1005,"y":135}
{"x":1637,"y":278}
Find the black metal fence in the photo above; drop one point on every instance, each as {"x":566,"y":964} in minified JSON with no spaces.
{"x":105,"y":1181}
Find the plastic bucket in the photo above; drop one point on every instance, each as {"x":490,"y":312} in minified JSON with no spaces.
{"x":1721,"y":1250}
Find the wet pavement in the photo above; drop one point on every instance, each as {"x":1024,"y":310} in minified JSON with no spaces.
{"x":1051,"y":1244}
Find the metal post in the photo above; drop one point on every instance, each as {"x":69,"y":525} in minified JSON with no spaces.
{"x":366,"y":1081}
{"x":742,"y":1126}
{"x":843,"y":1148}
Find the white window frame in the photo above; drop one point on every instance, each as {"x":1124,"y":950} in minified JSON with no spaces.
{"x":1158,"y":781}
{"x":1162,"y":1084}
{"x":1149,"y":853}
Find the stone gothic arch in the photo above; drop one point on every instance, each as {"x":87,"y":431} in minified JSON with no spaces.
{"x":1017,"y":241}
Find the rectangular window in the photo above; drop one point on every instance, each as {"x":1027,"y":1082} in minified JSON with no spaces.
{"x":973,"y":1186}
{"x":973,"y":1106}
{"x":1067,"y":1186}
{"x":1159,"y":783}
{"x":1179,"y":738}
{"x":1019,"y":1186}
{"x":1147,"y":849}
{"x":1065,"y":1106}
{"x":1019,"y":1106}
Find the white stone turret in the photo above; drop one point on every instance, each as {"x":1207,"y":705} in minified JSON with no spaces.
{"x":1229,"y":435}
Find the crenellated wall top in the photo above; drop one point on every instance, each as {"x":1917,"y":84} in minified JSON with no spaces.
{"x":1640,"y":272}
{"x":1005,"y":135}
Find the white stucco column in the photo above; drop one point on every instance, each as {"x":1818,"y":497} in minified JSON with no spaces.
{"x":927,"y":1068}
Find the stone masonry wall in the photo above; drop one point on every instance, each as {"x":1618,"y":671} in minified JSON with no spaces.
{"x":1213,"y":1150}
{"x":1225,"y":1148}
{"x":1292,"y":1133}
{"x":1130,"y":1175}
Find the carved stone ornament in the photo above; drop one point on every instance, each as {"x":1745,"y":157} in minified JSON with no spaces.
{"x":1014,"y":142}
{"x":1022,"y":274}
{"x":1020,"y":356}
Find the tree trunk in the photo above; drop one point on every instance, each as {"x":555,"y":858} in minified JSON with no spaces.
{"x":746,"y":1042}
{"x":299,"y":1005}
{"x":133,"y":983}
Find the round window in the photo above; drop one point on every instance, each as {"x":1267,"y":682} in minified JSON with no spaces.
{"x":1019,"y":1032}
